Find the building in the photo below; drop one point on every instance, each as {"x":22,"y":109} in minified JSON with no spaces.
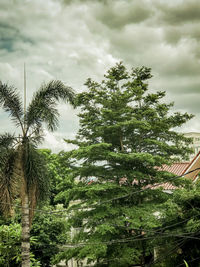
{"x":196,"y":142}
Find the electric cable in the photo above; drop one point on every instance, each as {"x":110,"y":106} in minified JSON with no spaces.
{"x":100,"y":203}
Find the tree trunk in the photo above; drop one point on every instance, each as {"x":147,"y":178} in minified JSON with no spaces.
{"x":25,"y":211}
{"x":25,"y":245}
{"x":121,"y":144}
{"x":25,"y":223}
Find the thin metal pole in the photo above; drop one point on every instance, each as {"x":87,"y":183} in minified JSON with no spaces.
{"x":24,"y":94}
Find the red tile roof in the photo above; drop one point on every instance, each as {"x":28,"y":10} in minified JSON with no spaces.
{"x":176,"y":168}
{"x":181,"y":168}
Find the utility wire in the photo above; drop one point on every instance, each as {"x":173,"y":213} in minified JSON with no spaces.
{"x":162,"y":257}
{"x":159,"y":259}
{"x":106,"y":201}
{"x":124,"y":240}
{"x":135,"y":192}
{"x":158,"y":231}
{"x":169,"y":252}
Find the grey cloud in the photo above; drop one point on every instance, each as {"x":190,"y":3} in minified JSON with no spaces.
{"x":63,"y":48}
{"x":83,"y":38}
{"x":68,"y":2}
{"x":173,"y":35}
{"x":189,"y":101}
{"x":176,"y":34}
{"x":185,"y":88}
{"x":9,"y":36}
{"x":182,"y":64}
{"x":180,"y":12}
{"x":117,"y":14}
{"x":169,"y":50}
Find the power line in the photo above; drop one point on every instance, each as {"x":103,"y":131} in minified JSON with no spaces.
{"x":159,"y":259}
{"x":138,"y":191}
{"x":123,"y":240}
{"x":131,"y":239}
{"x":38,"y":210}
{"x":169,"y":252}
{"x":157,"y":231}
{"x":109,"y":200}
{"x":154,"y":231}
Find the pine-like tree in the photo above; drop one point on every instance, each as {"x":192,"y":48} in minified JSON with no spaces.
{"x":126,"y":134}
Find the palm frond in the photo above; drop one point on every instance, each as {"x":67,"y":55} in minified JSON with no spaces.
{"x":36,"y":136}
{"x":42,"y":108}
{"x":36,"y":175}
{"x":11,"y":103}
{"x":8,"y":181}
{"x":6,"y":147}
{"x":6,"y":140}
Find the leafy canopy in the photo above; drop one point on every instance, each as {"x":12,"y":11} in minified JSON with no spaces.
{"x":22,"y":166}
{"x":126,"y":134}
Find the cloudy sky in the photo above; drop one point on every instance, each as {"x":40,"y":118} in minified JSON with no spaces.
{"x":72,"y":40}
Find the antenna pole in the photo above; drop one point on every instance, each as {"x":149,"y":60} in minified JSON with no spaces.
{"x":24,"y":93}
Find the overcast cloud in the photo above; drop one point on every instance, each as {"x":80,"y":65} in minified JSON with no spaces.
{"x":73,"y":40}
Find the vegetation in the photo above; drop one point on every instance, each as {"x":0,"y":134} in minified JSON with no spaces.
{"x":58,"y":172}
{"x":104,"y":201}
{"x":182,"y":215}
{"x":126,"y":135}
{"x":22,"y":167}
{"x":49,"y":231}
{"x":10,"y":252}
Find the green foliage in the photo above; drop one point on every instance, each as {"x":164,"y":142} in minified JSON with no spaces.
{"x":23,"y":172}
{"x":180,"y":222}
{"x":126,"y":134}
{"x":10,"y":246}
{"x":11,"y":103}
{"x":43,"y":105}
{"x":27,"y":160}
{"x":58,"y":173}
{"x":49,"y":234}
{"x":36,"y":172}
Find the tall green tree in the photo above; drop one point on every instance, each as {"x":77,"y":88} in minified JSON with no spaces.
{"x":126,"y":135}
{"x":181,"y":220}
{"x":22,"y":168}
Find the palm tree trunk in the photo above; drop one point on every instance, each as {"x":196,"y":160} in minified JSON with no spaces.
{"x":25,"y":245}
{"x":25,"y":213}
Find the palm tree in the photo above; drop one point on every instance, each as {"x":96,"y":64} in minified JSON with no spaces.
{"x":22,"y":170}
